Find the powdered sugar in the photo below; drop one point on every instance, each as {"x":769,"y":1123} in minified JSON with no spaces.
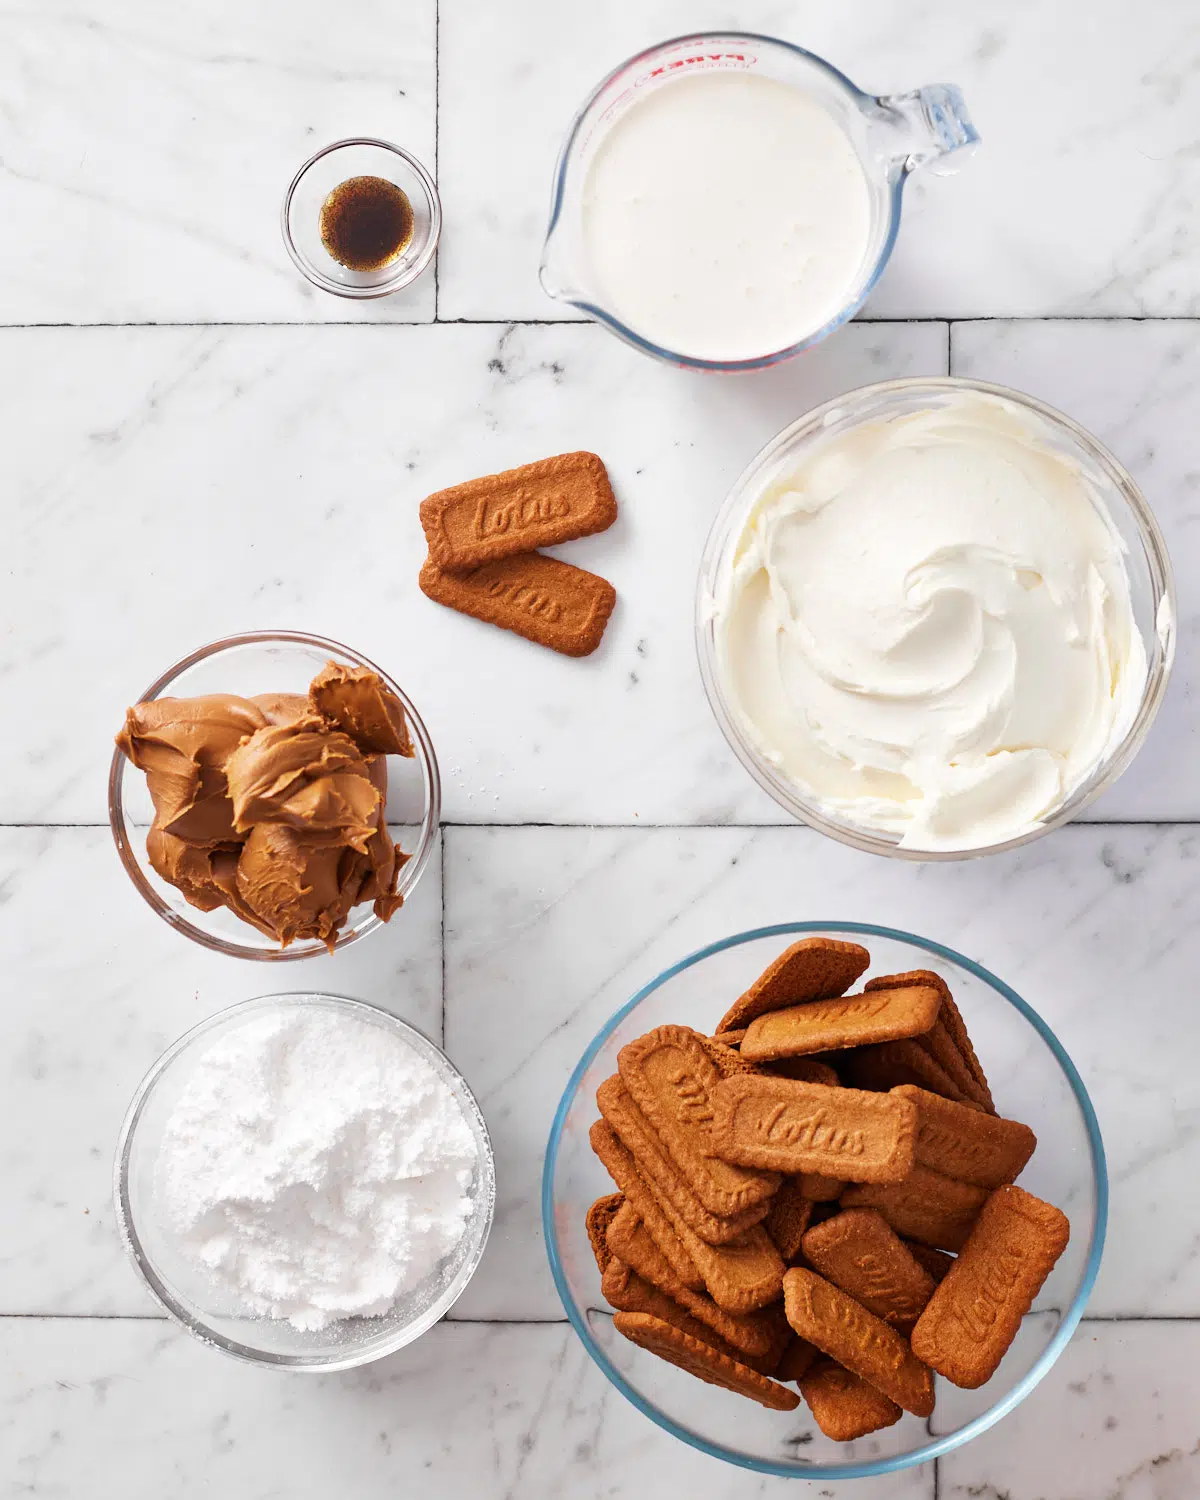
{"x":316,"y":1167}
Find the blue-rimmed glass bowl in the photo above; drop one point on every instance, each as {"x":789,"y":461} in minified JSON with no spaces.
{"x":1032,"y":1079}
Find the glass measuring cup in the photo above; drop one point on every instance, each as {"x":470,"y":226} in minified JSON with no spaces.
{"x":893,"y":135}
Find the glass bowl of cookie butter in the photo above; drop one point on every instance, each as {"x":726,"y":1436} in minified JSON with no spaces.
{"x":935,"y":618}
{"x":274,"y":796}
{"x":969,"y":1313}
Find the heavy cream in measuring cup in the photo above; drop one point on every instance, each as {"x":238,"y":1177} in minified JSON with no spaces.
{"x":726,"y":216}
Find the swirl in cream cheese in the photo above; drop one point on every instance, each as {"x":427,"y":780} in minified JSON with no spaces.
{"x":927,"y":626}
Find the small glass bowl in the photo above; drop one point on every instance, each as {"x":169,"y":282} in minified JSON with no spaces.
{"x":192,"y":1300}
{"x":1152,"y":590}
{"x":264,"y":661}
{"x":329,"y":168}
{"x":1033,"y":1080}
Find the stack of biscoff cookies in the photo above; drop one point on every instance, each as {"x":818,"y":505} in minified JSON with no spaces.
{"x":821,"y":1192}
{"x":484,"y":561}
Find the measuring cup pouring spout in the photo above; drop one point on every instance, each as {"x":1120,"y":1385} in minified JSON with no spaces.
{"x":890,"y":135}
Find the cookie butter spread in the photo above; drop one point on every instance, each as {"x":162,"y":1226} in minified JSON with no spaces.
{"x":274,"y":806}
{"x":927,"y":626}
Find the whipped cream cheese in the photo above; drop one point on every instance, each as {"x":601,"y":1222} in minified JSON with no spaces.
{"x":927,"y":625}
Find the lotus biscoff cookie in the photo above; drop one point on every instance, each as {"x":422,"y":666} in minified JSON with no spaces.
{"x":898,"y":1137}
{"x":848,"y":1021}
{"x":891,"y":1064}
{"x":815,"y":968}
{"x":599,"y":1217}
{"x":703,"y":1361}
{"x":974,"y":1315}
{"x":626,"y":1291}
{"x":548,"y":602}
{"x":728,"y":1059}
{"x":797,"y":1357}
{"x":844,"y":1330}
{"x":843,"y":1405}
{"x":784,"y":1125}
{"x":950,"y":1017}
{"x":936,"y":1262}
{"x":806,"y":1069}
{"x":939,"y":1045}
{"x":740,"y":1277}
{"x":629,"y":1241}
{"x":936,"y":1210}
{"x":821,"y":1188}
{"x":538,"y":505}
{"x":858,"y":1251}
{"x":661,"y":1176}
{"x":775,"y":1320}
{"x":622,"y":1168}
{"x":623,"y":1289}
{"x":791,"y":1213}
{"x":980,"y":1148}
{"x":672,"y":1078}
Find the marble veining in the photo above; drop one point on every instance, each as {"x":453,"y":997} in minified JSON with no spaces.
{"x":211,"y":480}
{"x":1081,"y":200}
{"x":217,"y":429}
{"x":144,"y":152}
{"x":88,"y":1009}
{"x":561,"y":927}
{"x":164,"y":485}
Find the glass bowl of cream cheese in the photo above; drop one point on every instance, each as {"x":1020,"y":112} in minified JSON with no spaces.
{"x":935,"y":618}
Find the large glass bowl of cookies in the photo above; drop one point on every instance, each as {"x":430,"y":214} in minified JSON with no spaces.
{"x":825,"y":1201}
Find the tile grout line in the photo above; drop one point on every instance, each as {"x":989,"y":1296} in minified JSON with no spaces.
{"x":443,"y":930}
{"x":602,"y":824}
{"x":1155,"y":1319}
{"x":519,"y":322}
{"x":1140,"y":1318}
{"x":62,"y":1317}
{"x":437,"y":140}
{"x":13,"y":1317}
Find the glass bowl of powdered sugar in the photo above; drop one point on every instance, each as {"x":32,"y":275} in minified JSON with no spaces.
{"x":305,"y":1181}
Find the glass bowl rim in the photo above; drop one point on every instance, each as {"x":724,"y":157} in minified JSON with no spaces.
{"x":396,"y":283}
{"x":937,"y":1447}
{"x":792,"y":799}
{"x":647,"y":346}
{"x":412,"y":870}
{"x":159,"y":1288}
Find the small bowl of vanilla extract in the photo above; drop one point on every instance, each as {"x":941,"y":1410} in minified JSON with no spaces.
{"x":362,"y":218}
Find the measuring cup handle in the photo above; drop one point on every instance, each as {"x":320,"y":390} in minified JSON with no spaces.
{"x":926,"y":124}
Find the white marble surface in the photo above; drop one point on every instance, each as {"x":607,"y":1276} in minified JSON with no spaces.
{"x":1082,"y":202}
{"x":85,"y":1014}
{"x":244,"y":478}
{"x":562,"y":926}
{"x":225,"y":479}
{"x":166,"y":484}
{"x":145,"y":151}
